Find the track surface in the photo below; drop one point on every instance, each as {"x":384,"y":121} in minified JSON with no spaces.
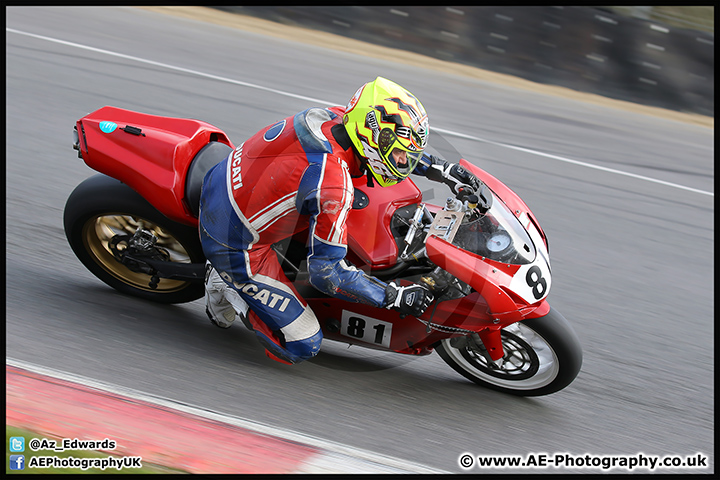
{"x":632,"y":258}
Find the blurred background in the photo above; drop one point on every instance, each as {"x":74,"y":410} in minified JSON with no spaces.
{"x":661,"y":56}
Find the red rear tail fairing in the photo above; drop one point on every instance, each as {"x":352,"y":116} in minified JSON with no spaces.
{"x":149,"y":153}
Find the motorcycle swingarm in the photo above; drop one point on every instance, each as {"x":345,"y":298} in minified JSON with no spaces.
{"x":142,"y":255}
{"x":189,"y":272}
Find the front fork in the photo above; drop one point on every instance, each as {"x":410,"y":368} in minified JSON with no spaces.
{"x":492,"y":340}
{"x":491,"y":337}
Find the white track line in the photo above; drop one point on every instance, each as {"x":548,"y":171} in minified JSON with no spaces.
{"x":325,"y":102}
{"x":576,"y":162}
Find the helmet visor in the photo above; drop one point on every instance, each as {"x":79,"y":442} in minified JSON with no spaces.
{"x":400,"y":158}
{"x":403,"y":162}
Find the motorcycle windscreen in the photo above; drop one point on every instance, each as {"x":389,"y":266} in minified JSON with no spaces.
{"x":497,"y":235}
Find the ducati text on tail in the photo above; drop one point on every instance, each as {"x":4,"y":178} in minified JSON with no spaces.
{"x":484,"y":255}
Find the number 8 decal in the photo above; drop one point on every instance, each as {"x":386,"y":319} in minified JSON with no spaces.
{"x":536,"y":281}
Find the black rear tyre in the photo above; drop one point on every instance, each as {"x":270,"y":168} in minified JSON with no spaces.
{"x":102,"y":207}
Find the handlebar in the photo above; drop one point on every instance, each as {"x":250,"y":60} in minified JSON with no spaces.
{"x":476,"y":200}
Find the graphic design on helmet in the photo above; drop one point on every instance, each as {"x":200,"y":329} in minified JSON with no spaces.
{"x":389,"y":128}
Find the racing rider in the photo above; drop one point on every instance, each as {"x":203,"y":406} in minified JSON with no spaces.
{"x":295,"y":174}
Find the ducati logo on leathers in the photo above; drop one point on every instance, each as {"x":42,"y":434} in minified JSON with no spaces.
{"x":262,"y":295}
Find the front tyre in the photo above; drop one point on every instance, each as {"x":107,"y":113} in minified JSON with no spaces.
{"x":542,"y":356}
{"x":101,"y":208}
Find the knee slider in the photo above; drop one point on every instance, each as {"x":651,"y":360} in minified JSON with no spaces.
{"x":306,"y":348}
{"x":293,"y":352}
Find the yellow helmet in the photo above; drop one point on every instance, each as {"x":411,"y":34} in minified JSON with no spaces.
{"x":388,"y":127}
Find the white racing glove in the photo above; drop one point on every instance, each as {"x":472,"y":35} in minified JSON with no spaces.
{"x":410,"y":300}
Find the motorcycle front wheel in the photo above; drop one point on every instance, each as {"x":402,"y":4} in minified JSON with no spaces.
{"x":542,"y":356}
{"x":101,"y":208}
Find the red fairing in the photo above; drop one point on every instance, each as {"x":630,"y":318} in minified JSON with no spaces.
{"x":485,"y":276}
{"x":153,"y":163}
{"x":369,"y":235}
{"x":491,"y":279}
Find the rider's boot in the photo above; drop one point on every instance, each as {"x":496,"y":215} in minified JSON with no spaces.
{"x":222,"y":303}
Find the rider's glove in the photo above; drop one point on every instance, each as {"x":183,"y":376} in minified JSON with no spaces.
{"x":451,"y":174}
{"x":411,"y":300}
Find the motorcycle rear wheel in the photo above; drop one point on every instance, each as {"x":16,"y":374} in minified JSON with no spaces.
{"x":542,"y":356}
{"x":102,"y":207}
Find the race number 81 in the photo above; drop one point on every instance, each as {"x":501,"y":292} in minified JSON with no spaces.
{"x":365,"y":329}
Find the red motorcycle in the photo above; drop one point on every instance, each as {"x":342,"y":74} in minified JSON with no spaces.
{"x":483,"y":254}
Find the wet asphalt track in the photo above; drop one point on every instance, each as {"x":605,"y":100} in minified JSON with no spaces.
{"x":632,"y":259}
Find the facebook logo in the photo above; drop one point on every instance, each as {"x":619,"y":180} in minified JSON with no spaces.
{"x":17,"y":444}
{"x":17,"y":462}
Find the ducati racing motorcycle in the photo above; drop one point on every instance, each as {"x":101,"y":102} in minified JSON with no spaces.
{"x":482,"y":254}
